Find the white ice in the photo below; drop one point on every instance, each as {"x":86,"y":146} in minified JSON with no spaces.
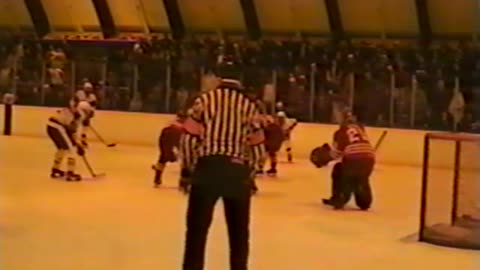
{"x":122,"y":223}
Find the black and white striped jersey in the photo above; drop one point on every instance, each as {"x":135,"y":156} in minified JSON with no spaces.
{"x":224,"y":122}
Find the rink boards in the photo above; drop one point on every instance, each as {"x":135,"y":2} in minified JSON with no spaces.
{"x":400,"y":147}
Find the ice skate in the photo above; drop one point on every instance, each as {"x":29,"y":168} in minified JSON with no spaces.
{"x":327,"y":202}
{"x":71,"y":176}
{"x":272,"y":172}
{"x":56,"y":173}
{"x":259,"y":172}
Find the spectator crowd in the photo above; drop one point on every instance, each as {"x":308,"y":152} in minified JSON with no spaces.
{"x":399,"y":84}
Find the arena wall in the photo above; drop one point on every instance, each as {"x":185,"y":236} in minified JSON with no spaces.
{"x":400,"y":147}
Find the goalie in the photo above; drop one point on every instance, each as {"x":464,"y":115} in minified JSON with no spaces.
{"x":351,"y":174}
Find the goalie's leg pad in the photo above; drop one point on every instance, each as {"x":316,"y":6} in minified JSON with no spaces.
{"x":336,"y":179}
{"x":363,"y":196}
{"x":358,"y":172}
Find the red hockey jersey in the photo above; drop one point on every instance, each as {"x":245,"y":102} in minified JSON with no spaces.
{"x":351,"y":141}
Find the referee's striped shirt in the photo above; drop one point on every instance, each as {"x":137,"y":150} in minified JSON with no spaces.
{"x":224,"y":122}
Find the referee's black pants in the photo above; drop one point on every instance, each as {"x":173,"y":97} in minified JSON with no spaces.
{"x":218,"y":177}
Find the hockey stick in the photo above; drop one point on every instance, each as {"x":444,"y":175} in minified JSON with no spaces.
{"x":380,"y":140}
{"x":90,"y":169}
{"x":101,"y":138}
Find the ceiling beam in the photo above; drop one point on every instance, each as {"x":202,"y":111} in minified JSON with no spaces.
{"x":250,"y":16}
{"x":335,"y":19}
{"x":423,"y":18}
{"x":39,"y":17}
{"x":105,"y":18}
{"x":175,"y":19}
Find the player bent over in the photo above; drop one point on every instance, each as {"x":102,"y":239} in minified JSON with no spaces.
{"x":168,"y":144}
{"x":61,"y":129}
{"x":352,"y":173}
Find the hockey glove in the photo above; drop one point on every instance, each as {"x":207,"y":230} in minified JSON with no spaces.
{"x":320,"y":156}
{"x":80,"y":151}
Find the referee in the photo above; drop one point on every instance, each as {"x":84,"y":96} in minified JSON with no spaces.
{"x":221,"y":147}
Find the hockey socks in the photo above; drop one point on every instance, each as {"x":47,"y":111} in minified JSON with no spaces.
{"x":158,"y":168}
{"x":289,"y":154}
{"x":273,"y":163}
{"x":58,"y":159}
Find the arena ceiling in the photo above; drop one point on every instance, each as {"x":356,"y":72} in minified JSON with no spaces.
{"x":358,"y":16}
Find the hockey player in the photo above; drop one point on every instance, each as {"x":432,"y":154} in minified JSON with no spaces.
{"x":61,"y":128}
{"x":274,"y":137}
{"x":168,"y":144}
{"x":357,"y":159}
{"x":287,"y":125}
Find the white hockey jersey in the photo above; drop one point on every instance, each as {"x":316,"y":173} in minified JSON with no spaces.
{"x":64,"y":118}
{"x":84,"y":110}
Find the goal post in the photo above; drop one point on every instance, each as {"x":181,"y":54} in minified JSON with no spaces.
{"x":450,"y":191}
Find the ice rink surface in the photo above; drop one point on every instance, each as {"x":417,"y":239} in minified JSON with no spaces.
{"x":122,"y":223}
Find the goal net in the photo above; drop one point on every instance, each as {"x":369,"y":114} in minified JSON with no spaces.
{"x":450,"y":203}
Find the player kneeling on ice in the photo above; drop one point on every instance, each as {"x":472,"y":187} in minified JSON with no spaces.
{"x":61,"y":128}
{"x":351,"y":174}
{"x":168,"y":144}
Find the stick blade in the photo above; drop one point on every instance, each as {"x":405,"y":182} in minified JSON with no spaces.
{"x":111,"y":145}
{"x":98,"y":176}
